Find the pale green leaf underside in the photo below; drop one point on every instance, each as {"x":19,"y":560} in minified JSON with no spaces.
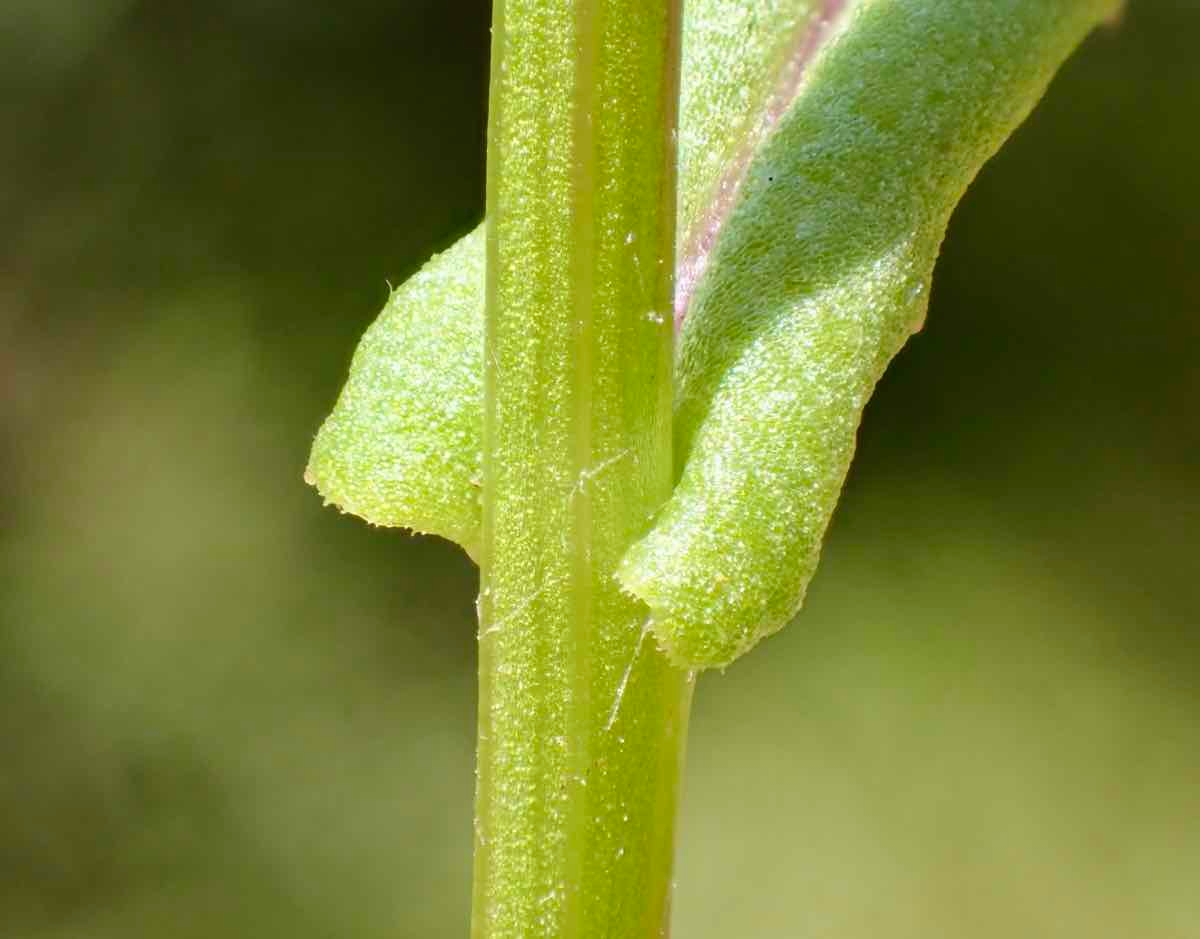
{"x":825,"y":231}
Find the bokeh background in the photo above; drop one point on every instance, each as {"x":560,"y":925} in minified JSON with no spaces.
{"x":226,"y":711}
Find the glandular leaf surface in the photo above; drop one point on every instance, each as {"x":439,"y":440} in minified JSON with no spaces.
{"x":822,"y":147}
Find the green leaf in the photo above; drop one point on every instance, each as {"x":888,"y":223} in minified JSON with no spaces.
{"x":819,"y":274}
{"x":402,"y":447}
{"x":822,"y":150}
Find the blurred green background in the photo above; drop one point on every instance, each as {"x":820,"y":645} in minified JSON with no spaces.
{"x":226,"y":711}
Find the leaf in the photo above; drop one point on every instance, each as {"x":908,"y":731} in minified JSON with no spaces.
{"x":402,"y":447}
{"x":845,"y":133}
{"x":820,"y":272}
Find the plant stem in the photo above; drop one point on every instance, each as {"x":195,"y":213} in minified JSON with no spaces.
{"x":581,"y":720}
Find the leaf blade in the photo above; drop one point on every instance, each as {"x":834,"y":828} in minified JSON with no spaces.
{"x":402,"y":445}
{"x":817,"y":279}
{"x":859,"y":171}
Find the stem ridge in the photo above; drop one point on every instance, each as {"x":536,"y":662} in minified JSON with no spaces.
{"x":580,"y":721}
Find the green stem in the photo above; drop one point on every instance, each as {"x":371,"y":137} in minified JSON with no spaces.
{"x":581,"y":720}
